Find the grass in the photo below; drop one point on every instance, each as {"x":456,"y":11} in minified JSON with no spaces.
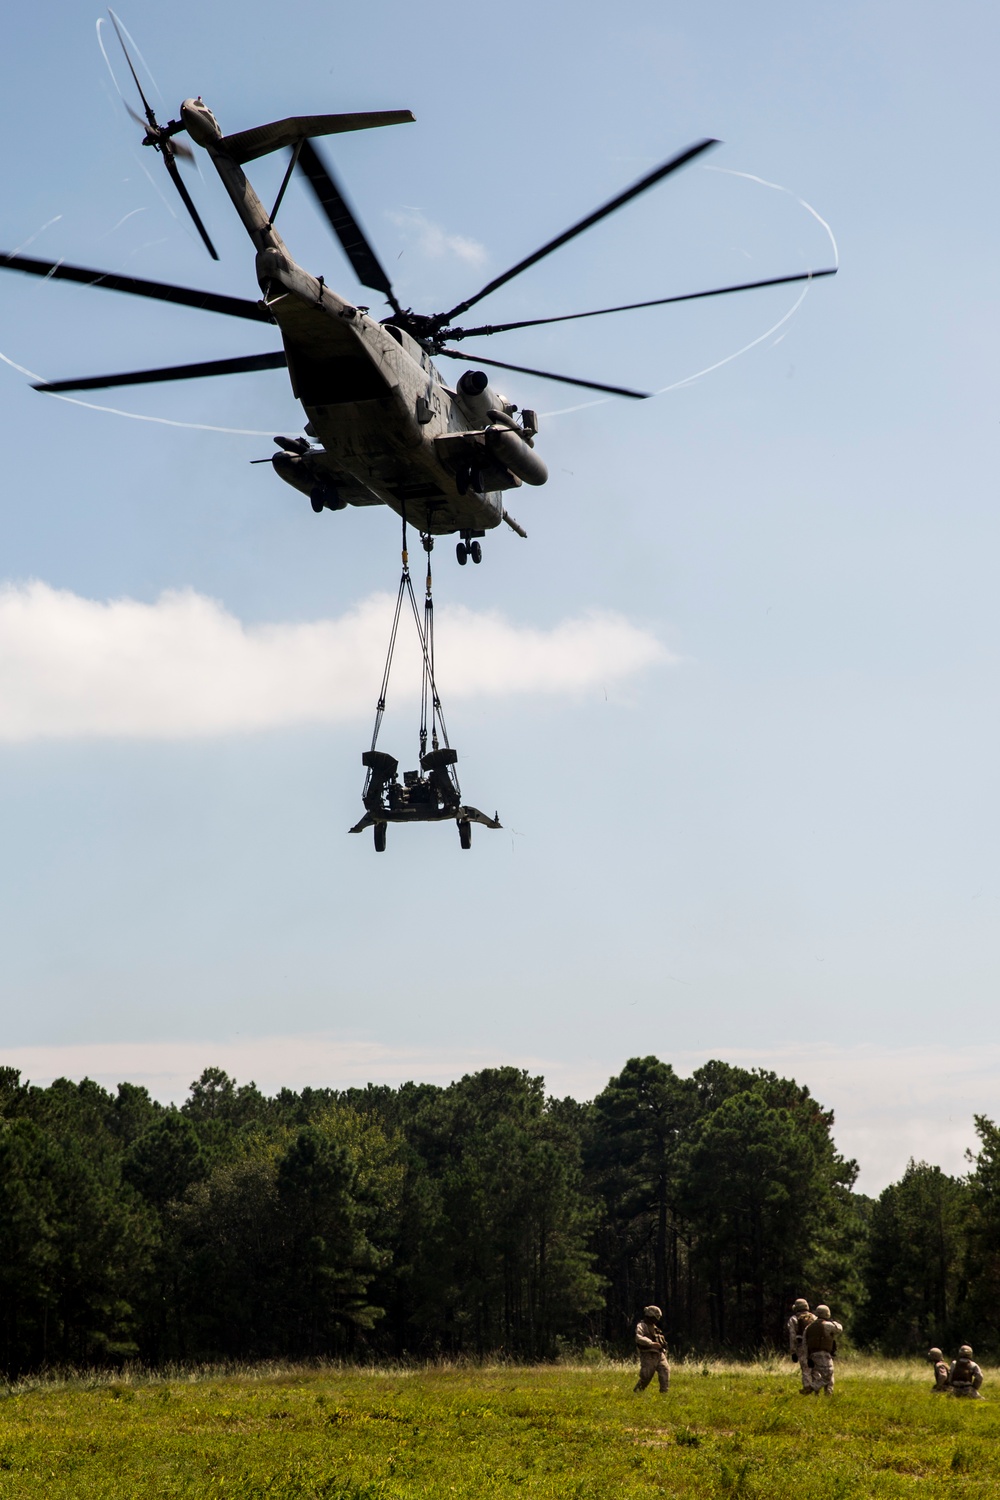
{"x":738,"y":1431}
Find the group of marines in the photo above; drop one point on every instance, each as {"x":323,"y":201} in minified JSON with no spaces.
{"x":812,"y":1341}
{"x":962,"y":1378}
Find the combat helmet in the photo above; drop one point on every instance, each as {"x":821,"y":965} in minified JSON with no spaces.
{"x":800,"y":1305}
{"x":822,"y":1311}
{"x":652,"y":1312}
{"x":934,"y":1354}
{"x":965,"y":1352}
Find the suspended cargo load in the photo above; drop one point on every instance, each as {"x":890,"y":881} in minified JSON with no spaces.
{"x":431,"y":794}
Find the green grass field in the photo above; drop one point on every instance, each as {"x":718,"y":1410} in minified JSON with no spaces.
{"x":565,"y":1430}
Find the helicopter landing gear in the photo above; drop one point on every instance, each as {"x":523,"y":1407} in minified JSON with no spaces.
{"x":379,"y":832}
{"x":462,"y":553}
{"x":475,"y":552}
{"x":469,"y":547}
{"x":316,"y":501}
{"x":465,"y":833}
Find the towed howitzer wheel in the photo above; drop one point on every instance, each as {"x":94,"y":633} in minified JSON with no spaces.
{"x":465,"y":833}
{"x":379,"y":832}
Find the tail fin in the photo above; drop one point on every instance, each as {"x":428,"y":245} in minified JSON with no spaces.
{"x":247,"y":145}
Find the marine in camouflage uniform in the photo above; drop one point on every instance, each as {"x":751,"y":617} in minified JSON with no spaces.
{"x":965,"y":1377}
{"x":796,"y":1326}
{"x":652,"y":1348}
{"x":821,"y":1347}
{"x":937,"y":1359}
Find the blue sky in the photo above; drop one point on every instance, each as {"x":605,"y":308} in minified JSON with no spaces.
{"x":747,"y":773}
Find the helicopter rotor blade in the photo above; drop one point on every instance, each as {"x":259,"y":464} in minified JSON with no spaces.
{"x":367,"y":266}
{"x":161,"y":138}
{"x":457,"y":334}
{"x":644,"y":183}
{"x":241,"y":366}
{"x":178,"y":182}
{"x":590,"y":385}
{"x":151,"y":118}
{"x":158,"y":291}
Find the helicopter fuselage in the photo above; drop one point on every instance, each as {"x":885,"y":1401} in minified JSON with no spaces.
{"x":385,"y":428}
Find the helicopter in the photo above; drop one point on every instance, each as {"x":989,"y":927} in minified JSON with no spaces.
{"x":383,"y":427}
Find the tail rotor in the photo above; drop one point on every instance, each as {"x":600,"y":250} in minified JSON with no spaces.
{"x":162,"y":138}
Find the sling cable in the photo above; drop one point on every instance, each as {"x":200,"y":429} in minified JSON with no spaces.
{"x":431,"y":794}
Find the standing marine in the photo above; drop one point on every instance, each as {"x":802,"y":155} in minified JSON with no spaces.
{"x":940,"y":1364}
{"x":821,"y":1349}
{"x":652,"y":1349}
{"x":965,"y":1377}
{"x":796,"y":1326}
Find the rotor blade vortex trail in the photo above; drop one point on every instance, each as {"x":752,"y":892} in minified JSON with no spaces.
{"x":367,"y":266}
{"x":241,"y":366}
{"x":590,"y":385}
{"x":458,"y":334}
{"x":159,"y":291}
{"x":644,"y":183}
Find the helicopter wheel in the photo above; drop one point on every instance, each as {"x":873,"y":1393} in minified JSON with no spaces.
{"x":465,"y":833}
{"x":476,"y":552}
{"x":379,"y":831}
{"x":462,"y":553}
{"x":316,"y":501}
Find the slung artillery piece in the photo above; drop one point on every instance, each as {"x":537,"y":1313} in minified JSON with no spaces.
{"x":383,"y":427}
{"x":431,"y":797}
{"x":432,"y":794}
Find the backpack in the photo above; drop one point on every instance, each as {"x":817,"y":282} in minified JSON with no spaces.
{"x":964,"y":1371}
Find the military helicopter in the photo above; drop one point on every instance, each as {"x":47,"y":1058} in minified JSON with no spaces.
{"x":383,"y":427}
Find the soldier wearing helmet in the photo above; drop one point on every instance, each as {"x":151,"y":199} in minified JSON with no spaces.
{"x":965,"y":1377}
{"x":821,"y":1349}
{"x":652,"y":1349}
{"x":937,"y":1359}
{"x":796,"y":1327}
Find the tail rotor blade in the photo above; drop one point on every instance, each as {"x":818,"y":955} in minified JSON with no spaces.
{"x":161,"y":137}
{"x":151,"y":118}
{"x":178,"y":182}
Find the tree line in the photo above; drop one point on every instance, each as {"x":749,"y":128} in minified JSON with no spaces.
{"x":480,"y":1218}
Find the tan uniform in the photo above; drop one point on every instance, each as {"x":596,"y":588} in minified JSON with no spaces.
{"x":651,"y":1345}
{"x":941,"y":1382}
{"x":797,"y":1325}
{"x":821,"y":1346}
{"x":964,"y":1378}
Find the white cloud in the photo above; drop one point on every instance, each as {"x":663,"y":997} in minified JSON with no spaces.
{"x":185,"y":667}
{"x":434,"y":242}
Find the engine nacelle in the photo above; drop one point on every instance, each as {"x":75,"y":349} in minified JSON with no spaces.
{"x":475,"y":397}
